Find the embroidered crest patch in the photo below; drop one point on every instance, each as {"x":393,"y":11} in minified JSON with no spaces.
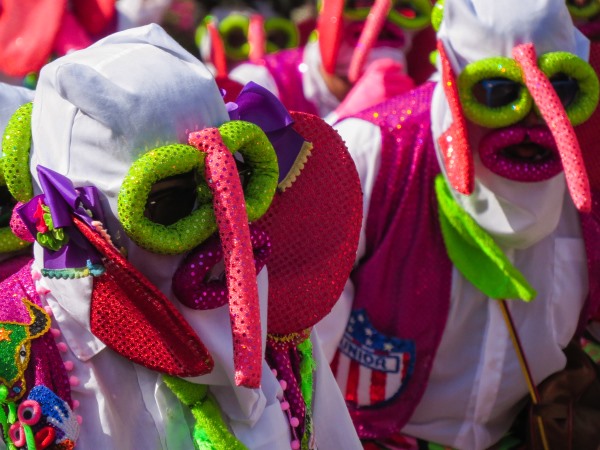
{"x":369,"y":366}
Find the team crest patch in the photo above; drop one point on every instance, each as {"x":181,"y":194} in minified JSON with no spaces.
{"x":369,"y":366}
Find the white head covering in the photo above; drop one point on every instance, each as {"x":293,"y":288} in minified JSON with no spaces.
{"x":516,"y":214}
{"x":96,"y":111}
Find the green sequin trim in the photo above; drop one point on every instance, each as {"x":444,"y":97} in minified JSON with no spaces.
{"x":437,"y":14}
{"x":157,"y":164}
{"x":281,"y":24}
{"x":476,"y":112}
{"x":308,"y":366}
{"x":15,"y":146}
{"x":474,"y":252}
{"x":259,"y":154}
{"x":586,"y":100}
{"x":422,"y":9}
{"x":210,"y":431}
{"x":235,"y":23}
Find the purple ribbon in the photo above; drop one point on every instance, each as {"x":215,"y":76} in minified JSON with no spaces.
{"x":64,"y":201}
{"x":257,"y":105}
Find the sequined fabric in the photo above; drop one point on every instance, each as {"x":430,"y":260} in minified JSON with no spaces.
{"x":232,"y":222}
{"x":131,"y":316}
{"x":192,"y":283}
{"x":454,"y":144}
{"x":403,"y":282}
{"x":13,"y":265}
{"x":285,"y":68}
{"x":314,"y":227}
{"x":552,"y":111}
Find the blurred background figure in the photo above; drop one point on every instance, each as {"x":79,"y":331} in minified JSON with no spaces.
{"x":33,"y":32}
{"x":357,"y":58}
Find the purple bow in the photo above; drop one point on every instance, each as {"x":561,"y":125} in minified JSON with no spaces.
{"x":64,"y":201}
{"x":257,"y":105}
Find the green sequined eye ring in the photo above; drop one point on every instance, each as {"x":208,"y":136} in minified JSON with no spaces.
{"x":421,"y":10}
{"x":437,"y":14}
{"x":234,"y":32}
{"x":486,"y":116}
{"x":570,"y":65}
{"x":190,"y":231}
{"x":8,"y":241}
{"x":274,"y":25}
{"x":15,"y":146}
{"x":587,"y":11}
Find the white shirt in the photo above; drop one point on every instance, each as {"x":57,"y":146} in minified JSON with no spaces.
{"x":476,"y":384}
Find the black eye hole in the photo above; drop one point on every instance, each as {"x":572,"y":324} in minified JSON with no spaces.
{"x":244,"y":170}
{"x":566,"y":87}
{"x":496,"y":92}
{"x":236,"y":37}
{"x":280,"y":38}
{"x":7,"y":203}
{"x":171,"y":199}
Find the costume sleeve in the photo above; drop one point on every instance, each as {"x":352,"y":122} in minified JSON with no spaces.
{"x":363,"y":140}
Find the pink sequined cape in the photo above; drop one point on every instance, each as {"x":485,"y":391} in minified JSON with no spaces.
{"x":403,"y":282}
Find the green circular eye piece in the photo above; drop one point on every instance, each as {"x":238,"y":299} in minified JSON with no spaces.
{"x":260,"y":158}
{"x":575,"y":82}
{"x":234,"y":32}
{"x":281,"y":33}
{"x":437,"y":14}
{"x":16,"y":144}
{"x":139,"y":189}
{"x":411,"y":14}
{"x":158,"y":192}
{"x":492,"y":93}
{"x":8,"y":241}
{"x":583,"y":9}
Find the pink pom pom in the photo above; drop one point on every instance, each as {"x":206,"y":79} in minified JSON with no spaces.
{"x":75,"y":404}
{"x":48,"y":310}
{"x":285,"y":406}
{"x":55,"y":332}
{"x":62,"y":347}
{"x":79,"y":419}
{"x":69,"y":365}
{"x":74,"y":381}
{"x":295,"y":444}
{"x":294,"y":422}
{"x":283,"y":384}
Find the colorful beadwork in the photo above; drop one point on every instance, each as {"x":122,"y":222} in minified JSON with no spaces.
{"x":477,"y":112}
{"x":157,"y":164}
{"x":15,"y":146}
{"x":48,"y":236}
{"x":586,"y":99}
{"x":554,"y":115}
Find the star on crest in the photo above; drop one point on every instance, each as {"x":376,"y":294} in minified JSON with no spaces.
{"x":5,"y":334}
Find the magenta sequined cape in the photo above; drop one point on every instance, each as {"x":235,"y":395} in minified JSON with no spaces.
{"x":403,"y":282}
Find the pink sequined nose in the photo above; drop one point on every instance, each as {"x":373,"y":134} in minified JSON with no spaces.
{"x":554,"y":114}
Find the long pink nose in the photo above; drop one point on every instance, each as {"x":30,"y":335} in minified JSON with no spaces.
{"x":554,"y":114}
